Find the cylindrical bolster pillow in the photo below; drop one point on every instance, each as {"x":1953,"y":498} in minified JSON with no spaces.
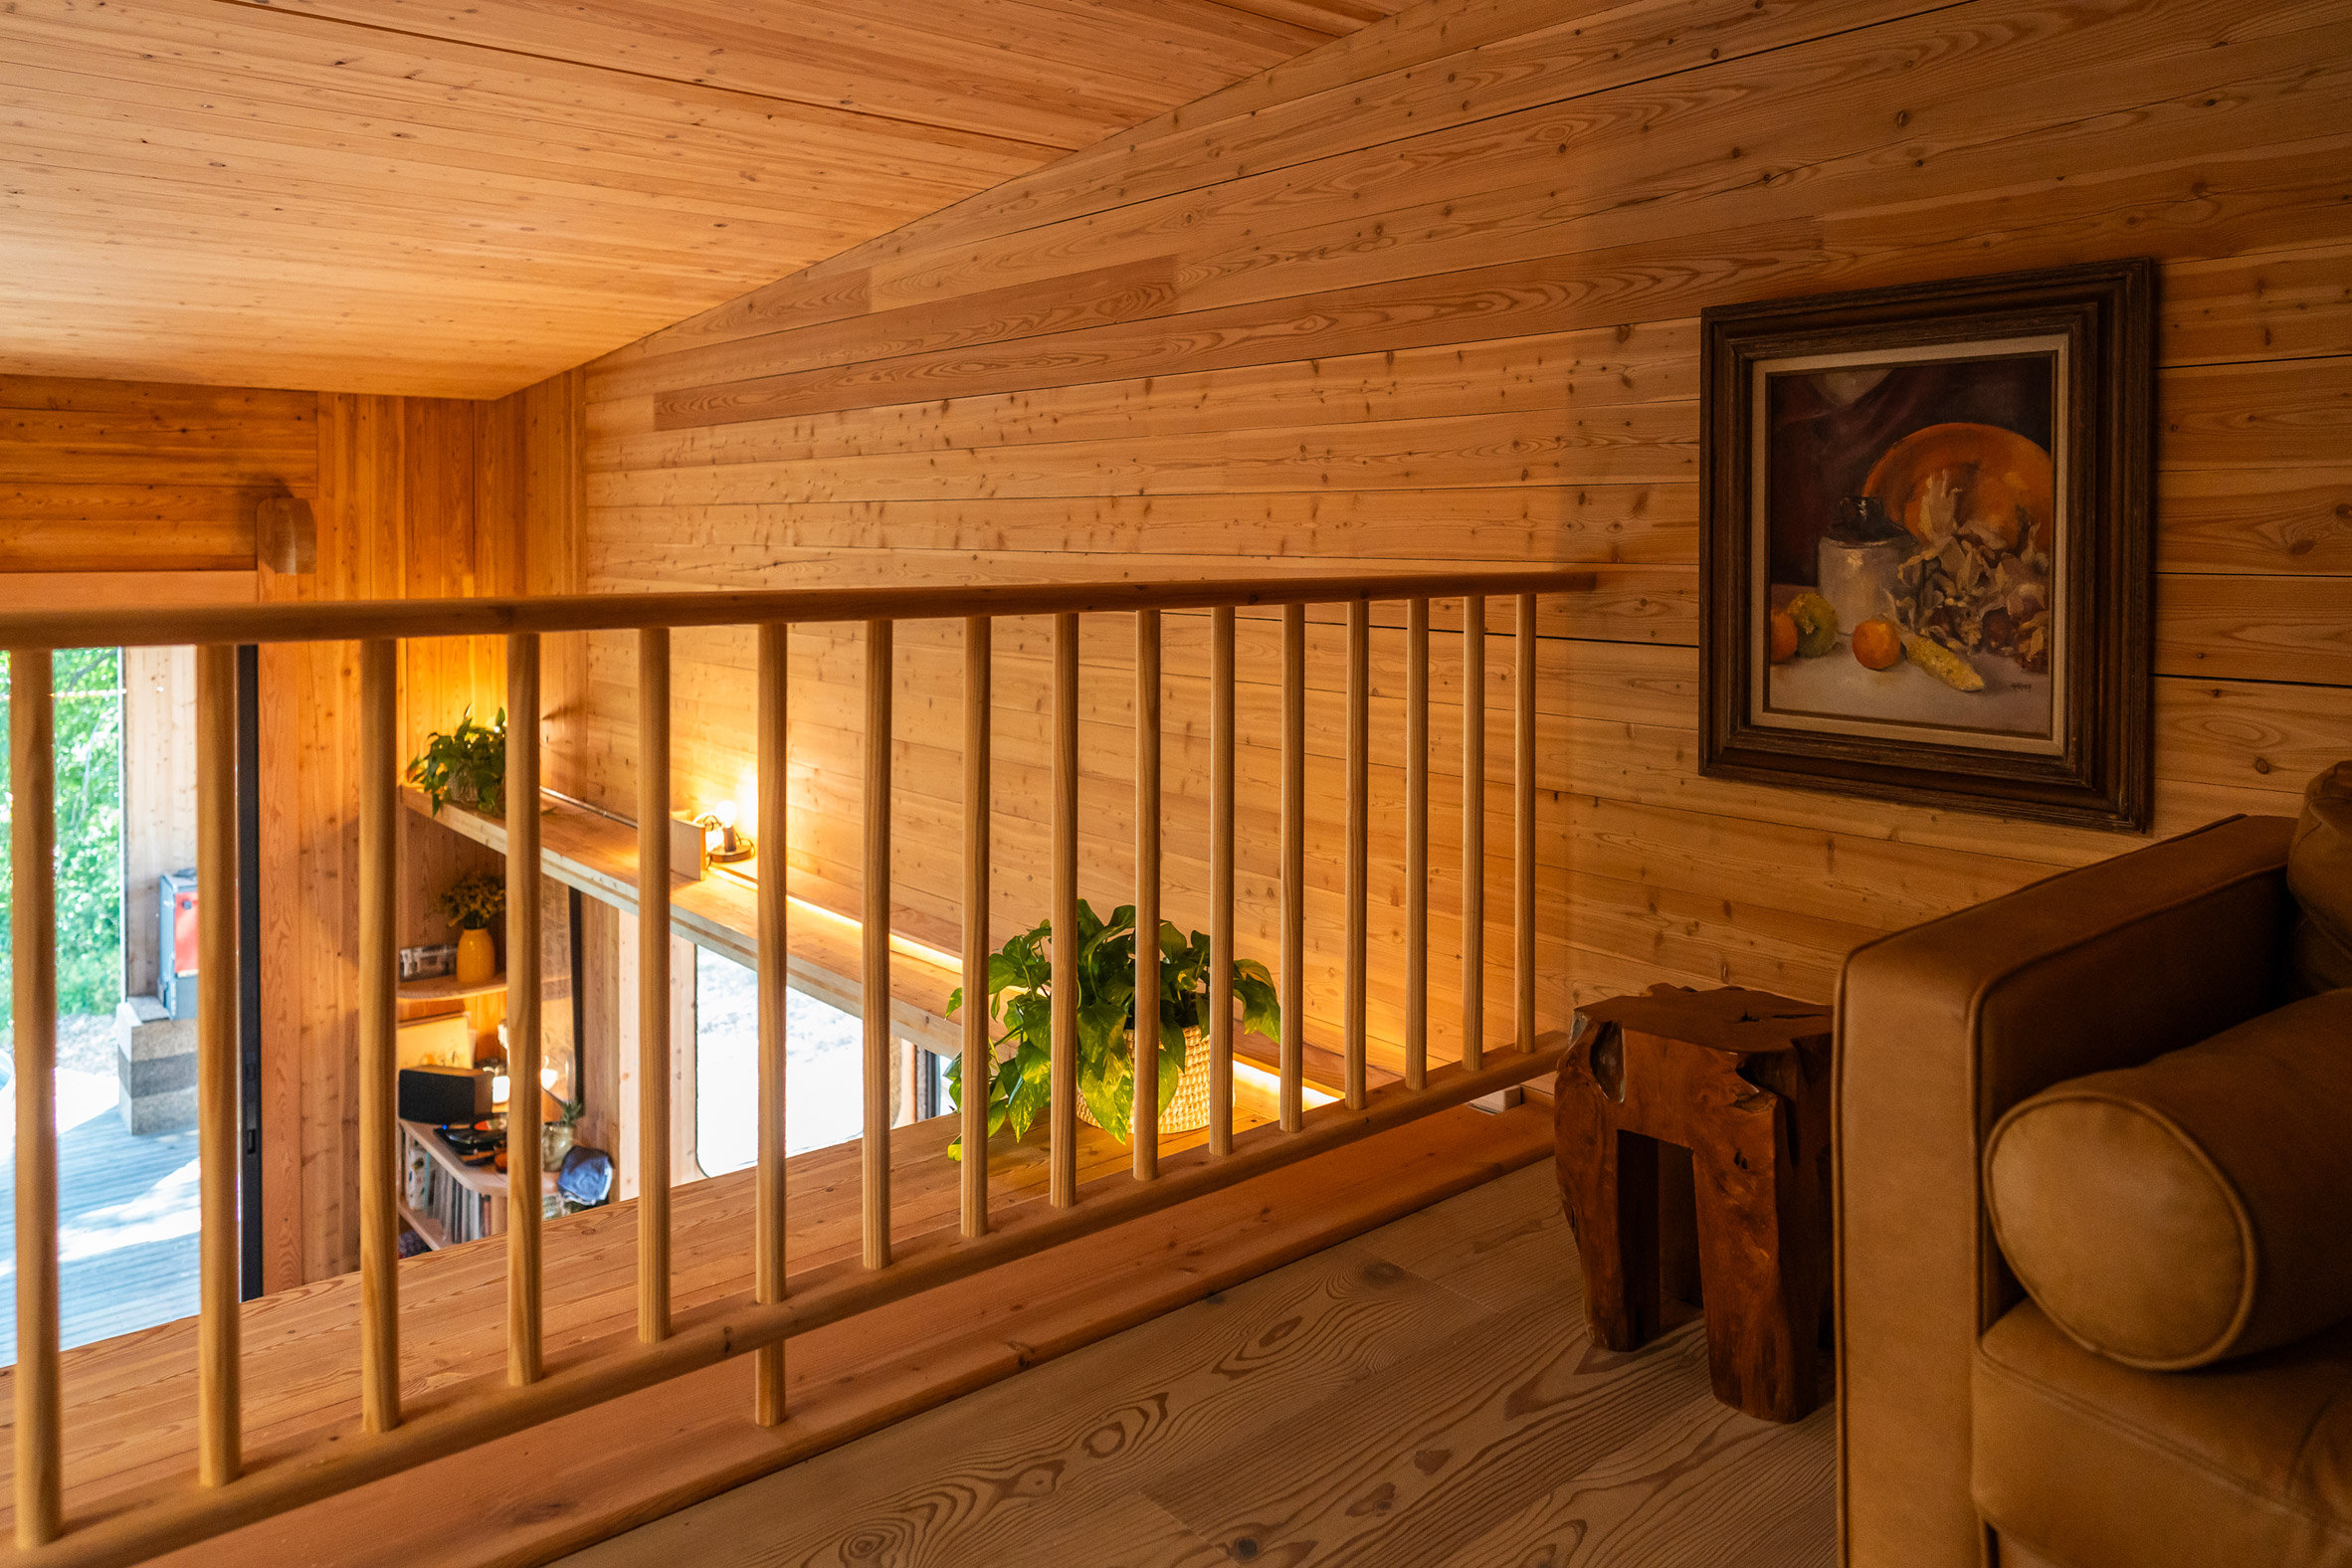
{"x":2196,"y":1207}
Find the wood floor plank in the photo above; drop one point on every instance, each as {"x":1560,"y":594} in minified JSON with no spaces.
{"x":1406,"y":1471}
{"x":1704,"y":1488}
{"x":1083,"y":1428}
{"x":1424,"y":1395}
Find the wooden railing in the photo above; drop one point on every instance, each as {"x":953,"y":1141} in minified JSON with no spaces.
{"x":224,"y":1495}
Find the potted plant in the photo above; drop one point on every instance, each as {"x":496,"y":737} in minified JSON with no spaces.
{"x":559,"y":1132}
{"x":470,"y":903}
{"x":1021,"y":997}
{"x":466,"y":765}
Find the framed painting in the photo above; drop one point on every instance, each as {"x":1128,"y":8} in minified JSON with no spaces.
{"x":1926,"y":542}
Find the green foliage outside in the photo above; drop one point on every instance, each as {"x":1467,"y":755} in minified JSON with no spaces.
{"x":89,"y":687}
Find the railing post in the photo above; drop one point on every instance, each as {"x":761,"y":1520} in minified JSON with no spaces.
{"x":1473,"y":830}
{"x":522,"y":1009}
{"x":379,"y":958}
{"x":1417,"y":844}
{"x":32,"y":834}
{"x":979,"y":1065}
{"x":1359,"y":812}
{"x":874,"y":1148}
{"x":1523,"y":831}
{"x":218,"y":1412}
{"x":1145,"y":1128}
{"x":653,"y":984}
{"x":775,"y":906}
{"x":1221,"y":880}
{"x":1061,"y":1080}
{"x":1293,"y":977}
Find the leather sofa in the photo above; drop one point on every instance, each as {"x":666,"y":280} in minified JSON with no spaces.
{"x":1971,"y":1431}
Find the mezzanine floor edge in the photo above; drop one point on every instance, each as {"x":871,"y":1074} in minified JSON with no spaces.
{"x":1422,"y":1396}
{"x":530,"y":1498}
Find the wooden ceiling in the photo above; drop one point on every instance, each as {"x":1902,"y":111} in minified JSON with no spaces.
{"x":461,"y":197}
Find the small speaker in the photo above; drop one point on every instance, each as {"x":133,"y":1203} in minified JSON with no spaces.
{"x":443,"y":1095}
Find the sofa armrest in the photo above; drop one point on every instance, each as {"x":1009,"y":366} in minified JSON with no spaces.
{"x":1941,"y":1028}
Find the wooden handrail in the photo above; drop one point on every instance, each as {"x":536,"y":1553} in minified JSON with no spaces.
{"x":326,"y":621}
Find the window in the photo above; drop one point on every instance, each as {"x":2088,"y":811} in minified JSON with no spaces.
{"x":824,"y":1053}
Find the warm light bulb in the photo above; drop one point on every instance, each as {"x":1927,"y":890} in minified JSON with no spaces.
{"x":725,"y":811}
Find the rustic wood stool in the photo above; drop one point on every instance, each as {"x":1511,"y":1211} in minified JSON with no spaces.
{"x":1740,"y":1079}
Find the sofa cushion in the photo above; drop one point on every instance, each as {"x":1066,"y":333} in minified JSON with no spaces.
{"x":2320,"y":873}
{"x":2196,"y":1207}
{"x":2098,"y":1466}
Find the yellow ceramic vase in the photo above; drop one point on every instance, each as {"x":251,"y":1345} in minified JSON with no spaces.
{"x":477,"y":958}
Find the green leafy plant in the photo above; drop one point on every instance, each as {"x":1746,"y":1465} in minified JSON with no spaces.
{"x":473,"y":902}
{"x":87,"y":683}
{"x":467,"y":766}
{"x":1021,"y":998}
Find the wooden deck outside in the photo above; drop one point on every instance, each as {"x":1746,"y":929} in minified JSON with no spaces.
{"x":1424,"y":1396}
{"x":127,"y":1215}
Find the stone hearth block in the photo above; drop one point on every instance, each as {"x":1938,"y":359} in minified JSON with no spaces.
{"x":156,"y":1058}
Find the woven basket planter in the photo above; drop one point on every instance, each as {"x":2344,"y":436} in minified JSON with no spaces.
{"x":1189,"y":1111}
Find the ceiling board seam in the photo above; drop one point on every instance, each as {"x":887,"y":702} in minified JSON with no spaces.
{"x":1050,"y":150}
{"x":1216,"y":174}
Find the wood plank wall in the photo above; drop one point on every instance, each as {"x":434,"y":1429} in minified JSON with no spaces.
{"x":144,"y":491}
{"x":1429,"y":296}
{"x":127,"y":476}
{"x":417,"y":498}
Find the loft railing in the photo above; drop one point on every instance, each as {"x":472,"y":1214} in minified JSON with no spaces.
{"x":224,"y":1493}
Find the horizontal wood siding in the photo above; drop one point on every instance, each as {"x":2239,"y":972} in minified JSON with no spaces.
{"x":125,"y":475}
{"x":1429,"y":296}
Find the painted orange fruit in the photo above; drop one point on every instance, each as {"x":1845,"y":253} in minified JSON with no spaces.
{"x":1784,"y":637}
{"x":1877,"y":644}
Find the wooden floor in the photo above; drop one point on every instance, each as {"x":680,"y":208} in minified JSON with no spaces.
{"x":126,"y":1220}
{"x":1424,"y":1396}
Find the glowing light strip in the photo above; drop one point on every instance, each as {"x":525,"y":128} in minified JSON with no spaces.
{"x":1272,"y":1083}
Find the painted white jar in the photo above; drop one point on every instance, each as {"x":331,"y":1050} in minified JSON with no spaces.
{"x":1861,"y":580}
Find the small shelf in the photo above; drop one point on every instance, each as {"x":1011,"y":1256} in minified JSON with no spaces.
{"x":427,"y":1231}
{"x":447,"y":987}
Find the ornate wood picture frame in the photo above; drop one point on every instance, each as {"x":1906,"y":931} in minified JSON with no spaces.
{"x":1927,"y":542}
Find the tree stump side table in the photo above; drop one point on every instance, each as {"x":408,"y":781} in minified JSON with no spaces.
{"x":1740,"y":1079}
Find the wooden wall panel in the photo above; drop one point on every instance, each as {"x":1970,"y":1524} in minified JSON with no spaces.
{"x":1429,"y":296}
{"x":418,"y":497}
{"x":121,"y":476}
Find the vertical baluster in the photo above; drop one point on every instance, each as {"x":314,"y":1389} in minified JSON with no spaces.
{"x":33,"y":933}
{"x":1359,"y":807}
{"x":1145,"y":1131}
{"x":1417,"y":844}
{"x":979,"y":1066}
{"x":1473,"y":830}
{"x":379,"y":1088}
{"x":874,"y":1151}
{"x":1221,"y":880}
{"x":653,"y":984}
{"x":775,"y":906}
{"x":1523,"y":831}
{"x":219,"y":1416}
{"x":1061,"y":1080}
{"x":523,"y":1008}
{"x":1293,"y":993}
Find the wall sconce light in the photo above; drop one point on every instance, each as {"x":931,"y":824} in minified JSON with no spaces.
{"x":721,"y":844}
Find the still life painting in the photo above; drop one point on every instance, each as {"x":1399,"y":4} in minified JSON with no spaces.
{"x":1927,"y":546}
